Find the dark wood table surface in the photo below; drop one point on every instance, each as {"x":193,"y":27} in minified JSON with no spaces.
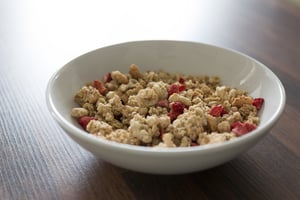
{"x":38,"y":160}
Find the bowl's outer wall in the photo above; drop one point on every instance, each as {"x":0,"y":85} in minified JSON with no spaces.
{"x":235,"y":70}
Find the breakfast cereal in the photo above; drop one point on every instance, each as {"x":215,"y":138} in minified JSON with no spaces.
{"x":156,"y":108}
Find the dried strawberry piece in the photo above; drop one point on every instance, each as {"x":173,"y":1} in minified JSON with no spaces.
{"x":250,"y":127}
{"x":161,"y":133}
{"x":181,"y":80}
{"x":258,"y":102}
{"x":83,"y":121}
{"x":177,"y":109}
{"x":177,"y":106}
{"x":173,"y":115}
{"x":100,"y":87}
{"x":240,"y":128}
{"x":175,"y":88}
{"x":181,"y":88}
{"x":107,"y":78}
{"x":193,"y":144}
{"x":163,"y":103}
{"x":217,"y":111}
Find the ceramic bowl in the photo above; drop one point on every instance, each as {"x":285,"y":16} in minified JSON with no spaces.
{"x":235,"y":70}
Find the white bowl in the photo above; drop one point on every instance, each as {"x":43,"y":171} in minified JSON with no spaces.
{"x":234,"y":69}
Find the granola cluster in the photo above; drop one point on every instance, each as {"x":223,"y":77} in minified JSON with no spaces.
{"x":157,"y":108}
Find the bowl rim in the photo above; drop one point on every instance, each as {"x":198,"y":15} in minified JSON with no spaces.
{"x":83,"y":135}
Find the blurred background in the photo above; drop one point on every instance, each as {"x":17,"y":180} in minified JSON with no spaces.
{"x":64,"y":29}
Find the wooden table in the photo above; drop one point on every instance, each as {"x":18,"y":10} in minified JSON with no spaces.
{"x":38,"y":161}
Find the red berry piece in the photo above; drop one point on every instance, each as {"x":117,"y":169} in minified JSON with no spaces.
{"x":217,"y":111}
{"x":107,"y":78}
{"x":174,"y":88}
{"x":100,"y":87}
{"x":173,"y":115}
{"x":249,"y":126}
{"x":181,"y":88}
{"x":177,"y":108}
{"x":258,"y":102}
{"x":83,"y":121}
{"x":194,"y":144}
{"x":181,"y":80}
{"x":161,"y":133}
{"x":163,"y":103}
{"x":240,"y":128}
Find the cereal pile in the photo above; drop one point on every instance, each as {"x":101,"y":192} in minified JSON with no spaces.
{"x":164,"y":109}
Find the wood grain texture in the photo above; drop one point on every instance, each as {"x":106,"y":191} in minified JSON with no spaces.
{"x":38,"y":160}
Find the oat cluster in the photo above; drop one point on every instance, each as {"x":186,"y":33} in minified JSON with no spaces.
{"x":156,"y":108}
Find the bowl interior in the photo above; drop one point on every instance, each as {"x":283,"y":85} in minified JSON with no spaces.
{"x":234,"y":69}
